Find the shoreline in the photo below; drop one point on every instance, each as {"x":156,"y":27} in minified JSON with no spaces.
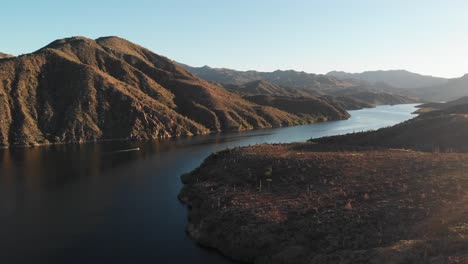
{"x":38,"y":145}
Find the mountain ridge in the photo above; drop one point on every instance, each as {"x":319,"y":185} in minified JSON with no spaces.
{"x":293,"y":83}
{"x":278,"y":77}
{"x":396,"y":78}
{"x":79,"y":89}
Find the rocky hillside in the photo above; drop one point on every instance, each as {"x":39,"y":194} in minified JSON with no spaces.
{"x":307,"y":107}
{"x":261,"y":87}
{"x":349,"y":98}
{"x":78,"y":89}
{"x":346,"y":102}
{"x":379,"y":98}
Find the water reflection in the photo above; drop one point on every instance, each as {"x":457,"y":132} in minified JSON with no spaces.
{"x":89,"y":203}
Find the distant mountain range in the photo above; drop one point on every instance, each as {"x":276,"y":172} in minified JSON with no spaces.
{"x":428,"y":88}
{"x":395,"y":78}
{"x":289,"y":78}
{"x":78,"y":89}
{"x":293,"y":83}
{"x":392,"y":82}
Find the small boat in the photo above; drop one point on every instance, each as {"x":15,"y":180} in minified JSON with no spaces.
{"x":124,"y":150}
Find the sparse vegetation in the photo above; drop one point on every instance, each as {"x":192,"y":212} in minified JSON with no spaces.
{"x":330,"y":202}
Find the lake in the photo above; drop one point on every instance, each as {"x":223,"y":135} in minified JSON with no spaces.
{"x":91,"y":203}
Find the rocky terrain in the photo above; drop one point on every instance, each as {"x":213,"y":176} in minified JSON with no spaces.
{"x":78,"y":89}
{"x":319,"y":203}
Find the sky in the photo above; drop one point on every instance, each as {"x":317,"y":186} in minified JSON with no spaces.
{"x":424,"y":36}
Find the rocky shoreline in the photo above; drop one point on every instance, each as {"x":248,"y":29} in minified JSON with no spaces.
{"x":319,"y":203}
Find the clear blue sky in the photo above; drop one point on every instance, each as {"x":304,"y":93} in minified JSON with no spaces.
{"x":425,"y":36}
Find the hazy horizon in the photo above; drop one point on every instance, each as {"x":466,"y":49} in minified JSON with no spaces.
{"x":425,"y":37}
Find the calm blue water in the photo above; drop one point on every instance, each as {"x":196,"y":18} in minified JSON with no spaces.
{"x":86,"y":204}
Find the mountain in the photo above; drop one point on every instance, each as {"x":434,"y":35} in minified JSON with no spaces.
{"x":298,"y":101}
{"x":261,"y":87}
{"x":395,"y":78}
{"x":439,"y":130}
{"x":290,"y":78}
{"x":308,"y":107}
{"x":451,"y":90}
{"x":293,"y":83}
{"x":347,"y":102}
{"x":5,"y":56}
{"x":375,"y":98}
{"x":78,"y":89}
